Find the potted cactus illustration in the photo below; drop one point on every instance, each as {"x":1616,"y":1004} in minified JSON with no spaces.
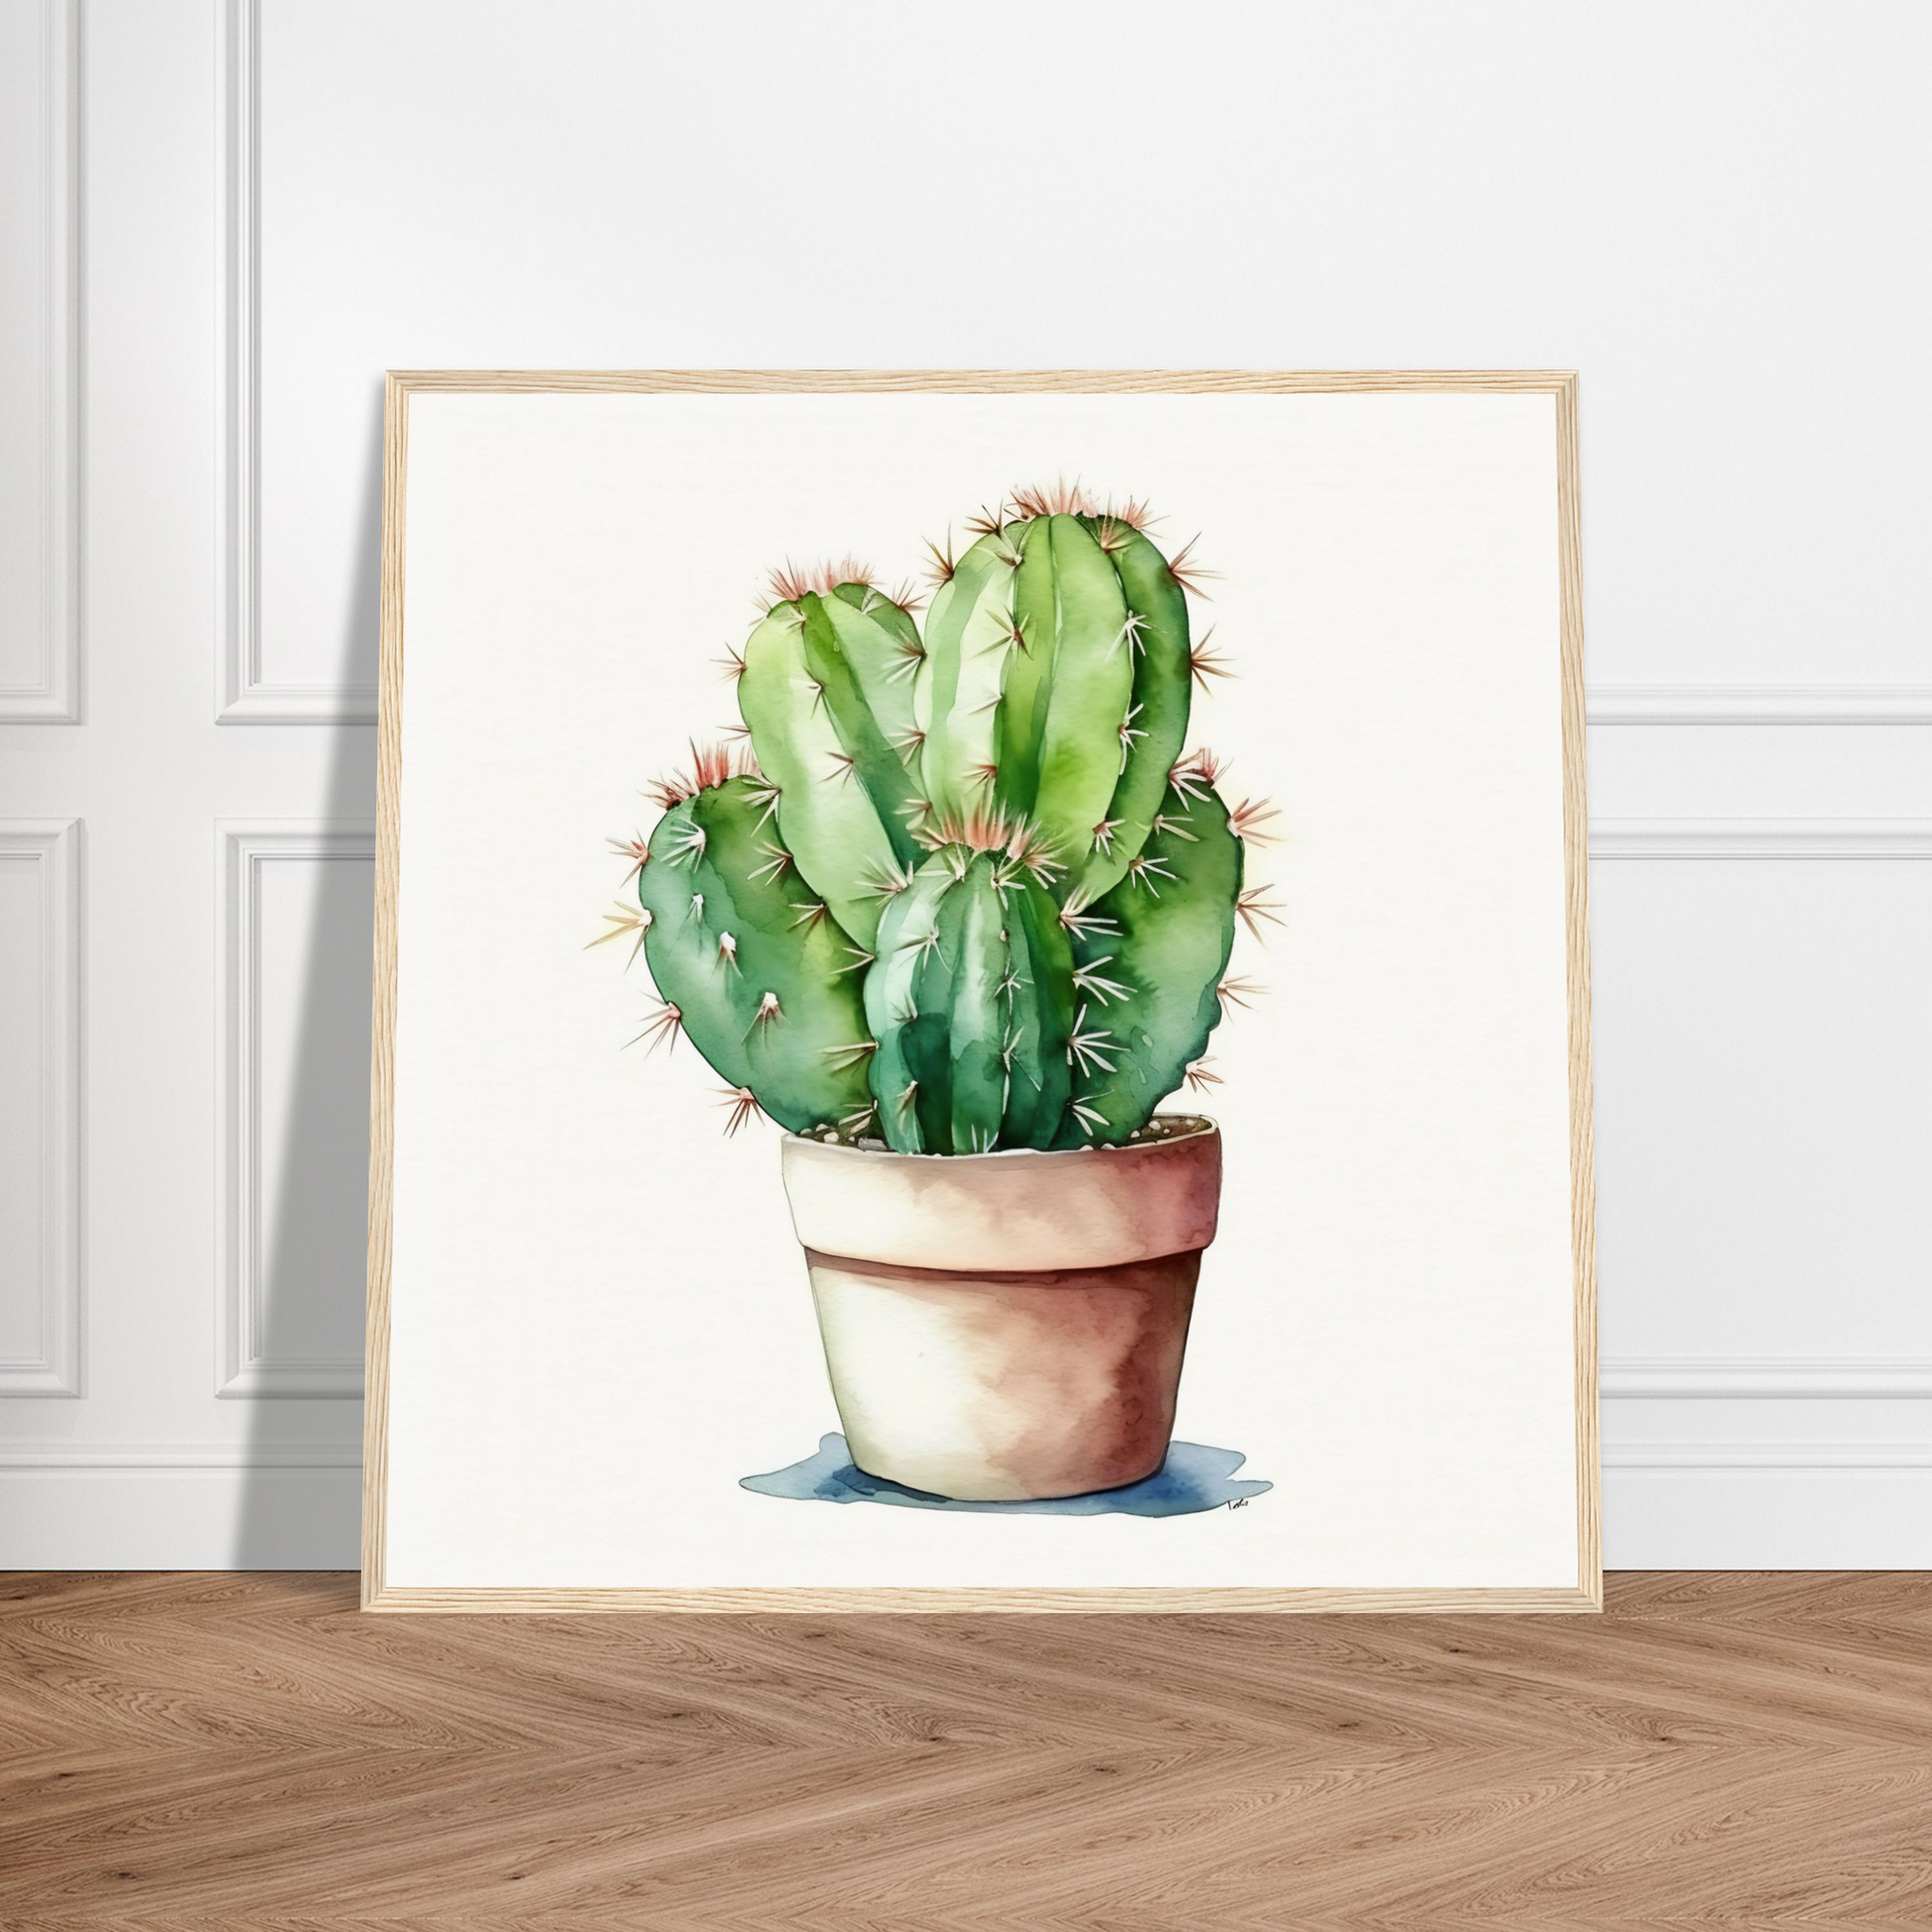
{"x":956,"y":910}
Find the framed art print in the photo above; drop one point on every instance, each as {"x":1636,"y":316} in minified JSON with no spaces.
{"x":982,"y":995}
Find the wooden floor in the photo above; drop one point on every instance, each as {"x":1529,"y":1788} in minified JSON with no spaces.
{"x":247,"y":1751}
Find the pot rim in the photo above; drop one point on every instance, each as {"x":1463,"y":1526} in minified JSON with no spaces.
{"x":1023,"y":1211}
{"x":1202,"y":1128}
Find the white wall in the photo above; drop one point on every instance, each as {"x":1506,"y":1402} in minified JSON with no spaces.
{"x":219,"y":225}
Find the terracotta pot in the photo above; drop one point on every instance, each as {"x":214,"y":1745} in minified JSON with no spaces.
{"x":1008,"y":1325}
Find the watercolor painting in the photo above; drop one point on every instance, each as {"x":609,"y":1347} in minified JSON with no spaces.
{"x":954,"y":907}
{"x":1080,"y":1097}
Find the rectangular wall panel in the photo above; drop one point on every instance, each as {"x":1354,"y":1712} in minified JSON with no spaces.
{"x":40,"y":1108}
{"x":1763,"y":1056}
{"x":38,"y":363}
{"x":297,"y":908}
{"x":314,"y":661}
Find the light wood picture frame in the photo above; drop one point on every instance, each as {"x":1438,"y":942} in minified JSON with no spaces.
{"x":432,"y":1458}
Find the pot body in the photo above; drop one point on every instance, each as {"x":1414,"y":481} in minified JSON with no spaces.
{"x":1006,"y":1327}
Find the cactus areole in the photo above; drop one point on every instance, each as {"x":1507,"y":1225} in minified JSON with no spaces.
{"x":963,"y":890}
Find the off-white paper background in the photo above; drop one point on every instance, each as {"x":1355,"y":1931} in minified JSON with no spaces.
{"x":600,"y":1318}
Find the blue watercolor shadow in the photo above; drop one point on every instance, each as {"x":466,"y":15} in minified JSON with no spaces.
{"x":1193,"y":1477}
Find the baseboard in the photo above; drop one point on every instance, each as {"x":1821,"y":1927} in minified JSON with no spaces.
{"x":147,"y":1517}
{"x":1707,"y":1516}
{"x":1737,"y":1516}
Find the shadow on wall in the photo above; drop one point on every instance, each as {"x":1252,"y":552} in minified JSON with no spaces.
{"x":312,"y":1247}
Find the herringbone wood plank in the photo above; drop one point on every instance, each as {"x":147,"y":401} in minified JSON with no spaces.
{"x":215,"y":1752}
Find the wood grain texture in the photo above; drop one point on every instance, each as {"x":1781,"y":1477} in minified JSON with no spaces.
{"x":1034,"y":1601}
{"x":382,"y":1032}
{"x":1575,"y":872}
{"x":214,"y":1751}
{"x":1587,"y":1593}
{"x":984,"y":383}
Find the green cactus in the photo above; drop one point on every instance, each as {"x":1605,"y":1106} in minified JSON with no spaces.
{"x":967,"y":897}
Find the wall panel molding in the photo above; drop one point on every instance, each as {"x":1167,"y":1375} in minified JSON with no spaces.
{"x":244,"y":694}
{"x":53,"y":696}
{"x":53,"y":848}
{"x":1666,"y":1457}
{"x":1806,"y":1378}
{"x":348,"y":1455}
{"x":1760,"y":837}
{"x":1760,"y":704}
{"x":28,"y":1454}
{"x":243,"y":1367}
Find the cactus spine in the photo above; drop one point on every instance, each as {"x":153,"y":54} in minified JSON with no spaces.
{"x":967,"y":897}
